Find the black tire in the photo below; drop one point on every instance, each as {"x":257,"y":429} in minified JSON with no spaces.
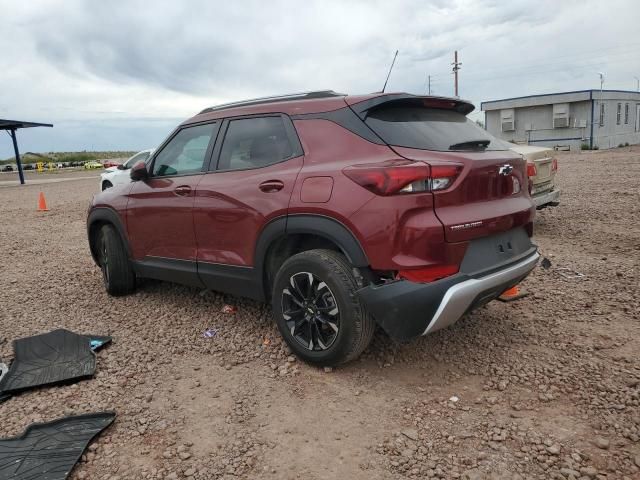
{"x":332,"y":286}
{"x":106,"y":184}
{"x":117,"y":274}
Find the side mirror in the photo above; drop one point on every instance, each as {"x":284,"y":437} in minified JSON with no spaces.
{"x":121,"y":167}
{"x":139,"y":172}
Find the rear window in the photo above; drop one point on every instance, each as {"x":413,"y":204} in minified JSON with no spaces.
{"x":430,"y":129}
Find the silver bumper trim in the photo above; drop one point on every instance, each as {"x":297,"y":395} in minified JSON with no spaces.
{"x":458,"y":298}
{"x":546,"y":197}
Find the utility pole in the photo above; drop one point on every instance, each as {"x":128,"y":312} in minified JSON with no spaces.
{"x":637,"y":84}
{"x":429,"y":84}
{"x":456,"y":67}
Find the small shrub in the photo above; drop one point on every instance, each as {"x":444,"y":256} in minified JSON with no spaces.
{"x":584,"y":146}
{"x":621,"y":145}
{"x":626,"y":144}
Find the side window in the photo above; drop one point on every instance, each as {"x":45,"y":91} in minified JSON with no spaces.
{"x":254,"y":143}
{"x":185,"y":153}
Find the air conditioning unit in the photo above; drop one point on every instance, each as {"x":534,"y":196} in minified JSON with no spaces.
{"x":507,"y":120}
{"x":561,"y":115}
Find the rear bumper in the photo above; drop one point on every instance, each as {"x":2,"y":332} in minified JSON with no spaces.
{"x":545,"y":198}
{"x":406,"y":309}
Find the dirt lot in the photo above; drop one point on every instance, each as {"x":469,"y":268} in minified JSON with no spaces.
{"x":547,"y":387}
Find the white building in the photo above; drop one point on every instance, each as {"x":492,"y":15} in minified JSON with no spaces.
{"x":603,"y":119}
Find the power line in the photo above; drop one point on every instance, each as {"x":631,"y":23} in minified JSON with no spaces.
{"x":536,"y":72}
{"x":529,"y":67}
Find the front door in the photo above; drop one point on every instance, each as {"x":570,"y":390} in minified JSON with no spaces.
{"x":160,"y":209}
{"x":253,"y":172}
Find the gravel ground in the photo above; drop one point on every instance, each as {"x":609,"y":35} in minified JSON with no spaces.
{"x":546,"y":387}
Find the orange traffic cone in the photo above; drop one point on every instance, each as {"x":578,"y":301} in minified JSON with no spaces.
{"x":42,"y":203}
{"x":512,"y":294}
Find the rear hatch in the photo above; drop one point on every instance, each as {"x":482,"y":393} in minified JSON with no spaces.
{"x":487,"y":194}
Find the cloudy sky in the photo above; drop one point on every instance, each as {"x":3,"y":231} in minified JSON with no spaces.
{"x":121,"y":74}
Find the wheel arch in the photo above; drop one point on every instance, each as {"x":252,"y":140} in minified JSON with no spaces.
{"x":99,"y":217}
{"x":286,"y":236}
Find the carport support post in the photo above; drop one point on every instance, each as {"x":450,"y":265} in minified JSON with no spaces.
{"x":18,"y":162}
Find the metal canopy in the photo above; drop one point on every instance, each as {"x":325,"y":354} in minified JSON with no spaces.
{"x":11,"y":126}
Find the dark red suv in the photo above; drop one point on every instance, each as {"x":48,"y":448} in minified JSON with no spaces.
{"x":345,"y":212}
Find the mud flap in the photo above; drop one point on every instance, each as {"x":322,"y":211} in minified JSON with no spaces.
{"x":50,"y":450}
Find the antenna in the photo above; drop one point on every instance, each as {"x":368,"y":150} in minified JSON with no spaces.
{"x":389,"y":74}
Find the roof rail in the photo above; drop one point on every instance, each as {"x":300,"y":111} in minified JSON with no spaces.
{"x":276,"y":99}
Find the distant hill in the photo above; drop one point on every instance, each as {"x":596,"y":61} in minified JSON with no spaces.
{"x":32,"y":157}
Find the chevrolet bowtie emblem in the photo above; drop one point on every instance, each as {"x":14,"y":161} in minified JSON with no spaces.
{"x":505,"y":170}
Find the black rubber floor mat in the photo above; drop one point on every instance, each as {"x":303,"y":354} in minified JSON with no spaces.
{"x":3,"y":371}
{"x":50,"y":450}
{"x":55,"y":357}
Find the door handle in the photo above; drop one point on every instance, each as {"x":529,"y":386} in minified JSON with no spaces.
{"x":271,"y":186}
{"x":182,"y":190}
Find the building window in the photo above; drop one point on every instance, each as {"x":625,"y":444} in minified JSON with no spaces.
{"x":626,"y":114}
{"x":602,"y":114}
{"x":619,"y":114}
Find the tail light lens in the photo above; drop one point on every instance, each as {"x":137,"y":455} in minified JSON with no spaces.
{"x":554,"y":165}
{"x":402,"y":176}
{"x":442,"y":176}
{"x":532,"y":171}
{"x":428,"y":274}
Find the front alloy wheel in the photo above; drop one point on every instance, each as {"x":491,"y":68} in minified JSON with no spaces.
{"x":310,"y":311}
{"x":104,"y":261}
{"x":117,"y":274}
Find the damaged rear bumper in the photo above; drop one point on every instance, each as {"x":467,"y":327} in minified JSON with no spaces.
{"x":406,"y":309}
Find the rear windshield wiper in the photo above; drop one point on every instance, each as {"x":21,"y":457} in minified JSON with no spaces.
{"x":471,"y":145}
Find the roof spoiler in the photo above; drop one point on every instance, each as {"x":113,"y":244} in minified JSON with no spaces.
{"x":362,"y":108}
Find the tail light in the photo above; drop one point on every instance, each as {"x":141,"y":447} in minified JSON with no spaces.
{"x":402,"y":176}
{"x":428,"y":274}
{"x":532,"y":171}
{"x":554,"y":165}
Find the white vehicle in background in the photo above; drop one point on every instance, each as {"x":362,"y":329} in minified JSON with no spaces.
{"x":542,"y":167}
{"x":120,"y":174}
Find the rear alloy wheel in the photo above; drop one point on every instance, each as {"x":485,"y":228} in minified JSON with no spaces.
{"x":317,"y":310}
{"x":310,"y":311}
{"x":117,"y":275}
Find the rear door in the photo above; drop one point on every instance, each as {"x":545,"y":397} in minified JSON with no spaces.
{"x":488,"y":189}
{"x":249,"y":183}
